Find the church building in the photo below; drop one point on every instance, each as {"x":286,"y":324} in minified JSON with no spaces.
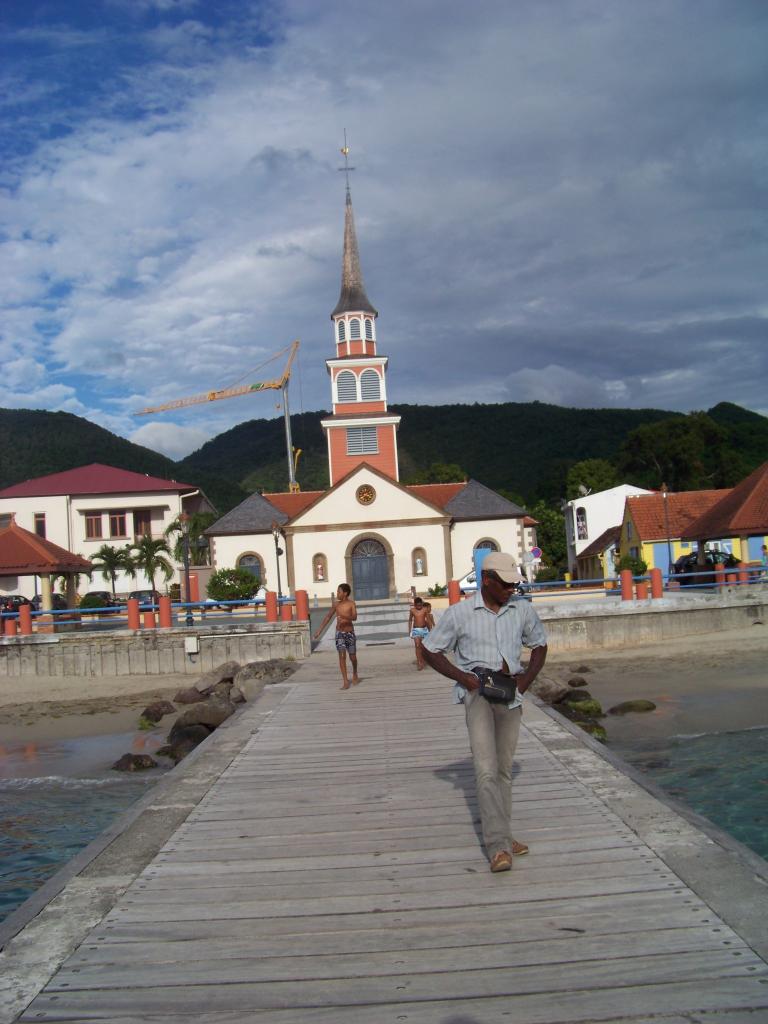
{"x":368,"y":529}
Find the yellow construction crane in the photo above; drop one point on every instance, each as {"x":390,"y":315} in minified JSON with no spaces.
{"x":278,"y":384}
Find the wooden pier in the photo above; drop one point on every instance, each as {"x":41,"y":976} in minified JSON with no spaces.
{"x":334,"y":874}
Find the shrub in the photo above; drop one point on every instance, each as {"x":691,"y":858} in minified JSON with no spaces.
{"x":232,"y":585}
{"x":637,"y":565}
{"x":546,"y":574}
{"x":436,"y":591}
{"x":92,"y":601}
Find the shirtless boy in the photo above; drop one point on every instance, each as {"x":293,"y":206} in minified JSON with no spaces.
{"x":346,"y":642}
{"x":418,"y":628}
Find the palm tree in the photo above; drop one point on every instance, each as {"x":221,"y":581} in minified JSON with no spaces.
{"x":198,"y":545}
{"x":109,"y":561}
{"x":150,"y":558}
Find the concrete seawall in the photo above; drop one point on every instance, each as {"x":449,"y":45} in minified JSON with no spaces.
{"x":157,"y":652}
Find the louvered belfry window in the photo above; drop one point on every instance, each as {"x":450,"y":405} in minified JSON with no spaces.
{"x":369,"y":329}
{"x":370,"y":386}
{"x":354,"y":328}
{"x":346,"y":386}
{"x":362,"y":441}
{"x":342,"y":330}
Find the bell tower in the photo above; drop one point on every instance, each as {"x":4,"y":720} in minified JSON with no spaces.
{"x":361,"y":429}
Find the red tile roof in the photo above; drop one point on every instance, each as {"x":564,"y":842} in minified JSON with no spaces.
{"x":93,"y":479}
{"x":742,"y":511}
{"x":25,"y":554}
{"x":436,"y":494}
{"x":603,"y":542}
{"x":291,"y":504}
{"x":683,"y":507}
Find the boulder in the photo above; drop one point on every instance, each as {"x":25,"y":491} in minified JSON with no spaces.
{"x":581,"y":710}
{"x":157,"y":710}
{"x":222,"y":689}
{"x":189,"y":695}
{"x":226,"y":671}
{"x":577,"y":681}
{"x":183,"y":739}
{"x":255,"y":675}
{"x":134,"y":763}
{"x":595,"y":730}
{"x":628,"y":706}
{"x":210,"y":713}
{"x":576,"y":695}
{"x":581,"y":669}
{"x":548,"y":690}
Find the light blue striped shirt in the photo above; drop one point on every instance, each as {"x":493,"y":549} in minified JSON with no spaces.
{"x":477,"y":636}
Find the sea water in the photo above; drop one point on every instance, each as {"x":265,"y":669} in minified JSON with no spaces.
{"x":55,"y":797}
{"x":723,"y":776}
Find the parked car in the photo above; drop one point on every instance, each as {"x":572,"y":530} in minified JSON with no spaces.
{"x":144,"y":596}
{"x":693,"y":574}
{"x":58,"y":602}
{"x":12,"y":602}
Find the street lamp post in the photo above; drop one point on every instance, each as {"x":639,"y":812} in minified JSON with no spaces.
{"x":278,"y":552}
{"x":184,"y":521}
{"x":666,"y":530}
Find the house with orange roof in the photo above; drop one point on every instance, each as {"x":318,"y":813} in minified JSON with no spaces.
{"x":654,"y":527}
{"x":741,"y":513}
{"x":24,"y":554}
{"x":80,"y":509}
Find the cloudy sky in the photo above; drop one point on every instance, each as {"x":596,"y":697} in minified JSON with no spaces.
{"x":561,"y":200}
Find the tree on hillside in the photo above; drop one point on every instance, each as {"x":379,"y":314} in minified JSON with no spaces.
{"x":150,"y":557}
{"x":592,"y":474}
{"x":198,"y":544}
{"x":550,"y":534}
{"x":109,"y":561}
{"x":439,"y":473}
{"x":685,"y":452}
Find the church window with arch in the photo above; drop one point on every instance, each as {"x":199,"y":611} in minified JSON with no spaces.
{"x":368,"y":329}
{"x":252,"y":563}
{"x":486,"y":544}
{"x":354,"y":327}
{"x":342,"y":330}
{"x":370,"y":386}
{"x":346,"y":386}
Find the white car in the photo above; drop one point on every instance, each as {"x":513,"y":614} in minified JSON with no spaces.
{"x":468,"y":583}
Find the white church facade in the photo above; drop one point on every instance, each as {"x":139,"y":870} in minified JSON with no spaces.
{"x":368,"y":529}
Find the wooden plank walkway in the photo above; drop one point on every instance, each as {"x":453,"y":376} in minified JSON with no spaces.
{"x":334,"y":874}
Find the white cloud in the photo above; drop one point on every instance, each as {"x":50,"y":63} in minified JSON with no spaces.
{"x":169,"y":438}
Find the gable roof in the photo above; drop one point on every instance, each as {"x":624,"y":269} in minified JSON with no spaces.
{"x":93,"y":479}
{"x":476,"y":501}
{"x":436,"y":494}
{"x":292,"y":503}
{"x":606,"y":539}
{"x":741,"y":511}
{"x":254,"y":515}
{"x":25,"y":554}
{"x":683,"y":507}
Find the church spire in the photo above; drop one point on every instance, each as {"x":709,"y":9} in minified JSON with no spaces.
{"x":352,"y":298}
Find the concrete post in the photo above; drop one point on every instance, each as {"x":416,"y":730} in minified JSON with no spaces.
{"x":657,"y":584}
{"x":743,"y":576}
{"x":25,"y":619}
{"x":164,"y":605}
{"x":270,"y":601}
{"x":149,"y":620}
{"x":454,"y":592}
{"x":133,"y":613}
{"x":626,"y":584}
{"x":10,"y":627}
{"x":641,"y":589}
{"x":302,"y":606}
{"x":286,"y":612}
{"x":720,"y":574}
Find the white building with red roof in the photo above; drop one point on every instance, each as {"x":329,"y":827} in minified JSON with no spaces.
{"x":81,"y":509}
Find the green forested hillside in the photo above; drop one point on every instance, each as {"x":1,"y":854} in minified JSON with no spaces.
{"x":524,"y":449}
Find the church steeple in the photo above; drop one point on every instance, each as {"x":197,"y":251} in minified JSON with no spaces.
{"x":352,"y":298}
{"x":361,"y":428}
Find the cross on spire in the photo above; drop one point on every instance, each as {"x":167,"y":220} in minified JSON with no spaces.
{"x":345,"y":153}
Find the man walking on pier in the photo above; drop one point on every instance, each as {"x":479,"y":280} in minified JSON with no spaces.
{"x":345,"y":610}
{"x":486,"y":633}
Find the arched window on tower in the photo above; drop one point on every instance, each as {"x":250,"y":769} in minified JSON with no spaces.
{"x":346,"y":387}
{"x":581,"y":523}
{"x":354,"y":327}
{"x":342,"y":330}
{"x":368,"y":329}
{"x":370,"y":386}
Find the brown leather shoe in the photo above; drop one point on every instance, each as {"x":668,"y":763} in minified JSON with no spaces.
{"x":519,"y":849}
{"x":501,"y":861}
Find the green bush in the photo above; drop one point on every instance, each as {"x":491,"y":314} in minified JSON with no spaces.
{"x":232,"y":585}
{"x":436,"y":591}
{"x":637,"y":565}
{"x":547,"y":574}
{"x":92,"y":601}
